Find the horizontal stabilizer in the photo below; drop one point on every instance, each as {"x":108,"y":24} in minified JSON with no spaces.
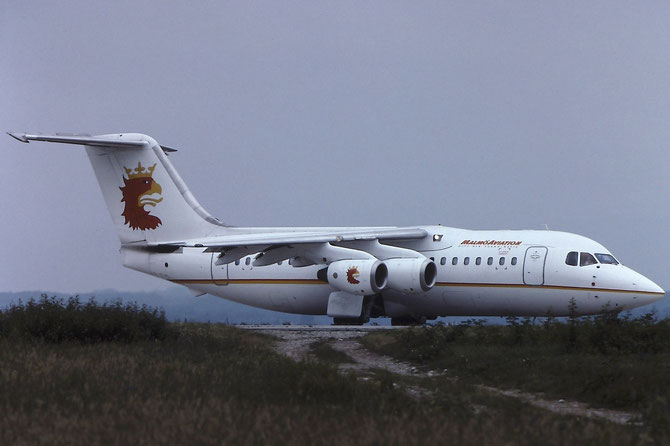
{"x":96,"y":141}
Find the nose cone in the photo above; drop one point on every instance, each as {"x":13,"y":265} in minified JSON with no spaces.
{"x":651,"y":291}
{"x":649,"y":286}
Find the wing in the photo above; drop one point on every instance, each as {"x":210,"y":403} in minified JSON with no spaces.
{"x":306,"y":247}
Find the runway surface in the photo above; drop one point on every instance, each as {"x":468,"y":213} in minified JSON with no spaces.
{"x":322,"y":328}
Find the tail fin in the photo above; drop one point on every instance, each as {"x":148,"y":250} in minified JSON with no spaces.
{"x":145,"y":196}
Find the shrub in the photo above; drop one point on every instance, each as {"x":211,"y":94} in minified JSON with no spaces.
{"x":54,"y":320}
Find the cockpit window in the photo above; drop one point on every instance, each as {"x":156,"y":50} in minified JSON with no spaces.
{"x":586,"y":259}
{"x":607,"y":259}
{"x":572,"y":258}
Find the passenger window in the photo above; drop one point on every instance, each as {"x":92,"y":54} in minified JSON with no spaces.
{"x":478,"y":261}
{"x":248,"y":261}
{"x":513,"y":261}
{"x":443,"y":261}
{"x":501,"y":261}
{"x":290,"y":261}
{"x":466,"y":261}
{"x":586,"y":259}
{"x":571,"y":258}
{"x":489,"y":261}
{"x":454,"y":261}
{"x":237,"y":262}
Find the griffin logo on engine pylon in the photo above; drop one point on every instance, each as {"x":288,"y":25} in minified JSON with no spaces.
{"x":136,"y":194}
{"x":352,"y":275}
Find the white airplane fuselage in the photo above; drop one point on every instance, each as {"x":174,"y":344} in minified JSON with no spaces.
{"x":350,"y":274}
{"x":533,"y":280}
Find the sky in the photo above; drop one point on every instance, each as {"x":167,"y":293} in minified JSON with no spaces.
{"x":481,"y":115}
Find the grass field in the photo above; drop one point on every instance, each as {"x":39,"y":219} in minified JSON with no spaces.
{"x":608,"y":361}
{"x":213,"y":384}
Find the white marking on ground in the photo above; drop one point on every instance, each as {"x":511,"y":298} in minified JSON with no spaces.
{"x":567,"y":407}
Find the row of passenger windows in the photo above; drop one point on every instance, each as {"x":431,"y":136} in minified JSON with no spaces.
{"x":443,"y":261}
{"x":575,"y":258}
{"x":478,"y":261}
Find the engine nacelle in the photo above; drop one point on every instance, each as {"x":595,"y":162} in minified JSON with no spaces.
{"x":358,"y":276}
{"x":411,"y":275}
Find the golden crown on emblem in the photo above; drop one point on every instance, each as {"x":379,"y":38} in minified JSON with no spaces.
{"x":139,"y":171}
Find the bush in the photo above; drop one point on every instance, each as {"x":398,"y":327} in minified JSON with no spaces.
{"x":55,"y":320}
{"x":607,"y":335}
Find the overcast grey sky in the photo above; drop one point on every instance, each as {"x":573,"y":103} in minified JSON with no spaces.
{"x":484,"y":115}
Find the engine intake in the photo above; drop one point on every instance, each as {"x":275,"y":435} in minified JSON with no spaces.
{"x":411,"y":275}
{"x":358,"y":276}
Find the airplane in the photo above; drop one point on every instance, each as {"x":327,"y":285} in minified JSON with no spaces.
{"x":352,"y":274}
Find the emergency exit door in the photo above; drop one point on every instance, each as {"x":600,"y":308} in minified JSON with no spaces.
{"x":533,"y":265}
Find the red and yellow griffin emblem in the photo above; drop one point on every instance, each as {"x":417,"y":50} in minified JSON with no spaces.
{"x":138,"y":186}
{"x":352,"y":275}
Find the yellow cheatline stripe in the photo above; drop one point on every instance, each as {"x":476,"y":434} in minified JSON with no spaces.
{"x":441,"y":284}
{"x":549,"y":287}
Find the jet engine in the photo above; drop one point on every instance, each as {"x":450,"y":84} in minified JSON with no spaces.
{"x":411,"y":275}
{"x":363,"y":277}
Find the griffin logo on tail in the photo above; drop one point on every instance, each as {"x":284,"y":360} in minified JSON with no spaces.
{"x":136,"y":194}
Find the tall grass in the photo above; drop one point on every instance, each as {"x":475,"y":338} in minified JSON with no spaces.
{"x":55,"y":320}
{"x":219,"y":385}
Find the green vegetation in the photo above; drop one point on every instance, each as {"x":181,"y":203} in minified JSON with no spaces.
{"x":324,"y":351}
{"x":50,"y":319}
{"x":214,"y":384}
{"x":606,"y":361}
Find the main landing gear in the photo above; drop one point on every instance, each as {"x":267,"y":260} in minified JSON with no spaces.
{"x":373,"y":306}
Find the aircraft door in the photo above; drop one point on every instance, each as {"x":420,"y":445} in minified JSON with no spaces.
{"x":219,"y":272}
{"x":533,"y":265}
